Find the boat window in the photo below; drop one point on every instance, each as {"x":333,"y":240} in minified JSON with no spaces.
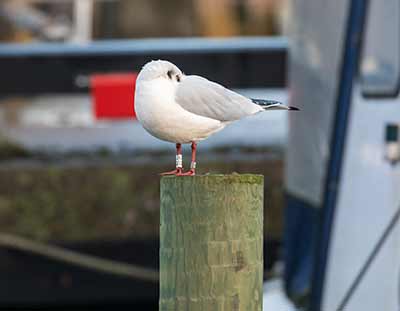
{"x":380,"y":67}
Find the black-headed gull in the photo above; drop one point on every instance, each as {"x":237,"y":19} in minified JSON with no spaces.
{"x":186,"y":109}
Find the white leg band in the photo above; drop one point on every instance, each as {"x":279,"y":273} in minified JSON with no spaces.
{"x":179,"y":161}
{"x":192,"y":165}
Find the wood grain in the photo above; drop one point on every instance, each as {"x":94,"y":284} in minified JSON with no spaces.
{"x":211,"y":243}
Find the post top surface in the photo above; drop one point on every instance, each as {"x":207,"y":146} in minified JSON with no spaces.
{"x":228,"y":178}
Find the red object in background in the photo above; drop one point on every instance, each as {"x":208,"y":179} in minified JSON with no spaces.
{"x":113,"y":95}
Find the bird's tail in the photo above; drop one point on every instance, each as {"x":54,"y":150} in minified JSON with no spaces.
{"x":272,"y":105}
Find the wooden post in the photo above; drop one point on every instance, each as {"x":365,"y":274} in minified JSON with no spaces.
{"x":211,"y":243}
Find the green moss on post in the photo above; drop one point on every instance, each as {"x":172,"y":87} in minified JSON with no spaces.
{"x":211,"y":243}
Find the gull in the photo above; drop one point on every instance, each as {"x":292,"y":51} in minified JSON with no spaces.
{"x":186,"y":109}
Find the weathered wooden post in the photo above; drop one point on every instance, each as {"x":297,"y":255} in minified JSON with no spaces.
{"x":211,"y":243}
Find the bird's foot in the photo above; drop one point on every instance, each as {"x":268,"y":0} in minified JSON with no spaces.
{"x":190,"y":172}
{"x":176,"y":172}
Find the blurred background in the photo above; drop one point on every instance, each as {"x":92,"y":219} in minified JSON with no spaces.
{"x":35,"y":20}
{"x":78,"y":173}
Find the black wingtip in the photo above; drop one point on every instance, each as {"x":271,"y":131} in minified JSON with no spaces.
{"x":294,"y":108}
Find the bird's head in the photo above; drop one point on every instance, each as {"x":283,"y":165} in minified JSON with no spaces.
{"x":160,"y":69}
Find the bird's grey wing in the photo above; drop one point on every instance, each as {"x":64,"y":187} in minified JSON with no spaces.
{"x":209,"y":99}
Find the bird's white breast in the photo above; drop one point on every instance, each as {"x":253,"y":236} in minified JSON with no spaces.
{"x":158,"y":112}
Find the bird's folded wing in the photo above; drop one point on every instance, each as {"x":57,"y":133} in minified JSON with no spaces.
{"x":209,"y":99}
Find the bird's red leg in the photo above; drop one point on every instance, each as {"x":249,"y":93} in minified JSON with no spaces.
{"x":192,"y":170}
{"x":179,"y":166}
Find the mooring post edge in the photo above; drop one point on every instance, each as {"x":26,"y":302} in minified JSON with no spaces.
{"x":211,"y":242}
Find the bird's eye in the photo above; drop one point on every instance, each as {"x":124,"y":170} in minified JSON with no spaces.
{"x":178,"y":78}
{"x":169,"y":73}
